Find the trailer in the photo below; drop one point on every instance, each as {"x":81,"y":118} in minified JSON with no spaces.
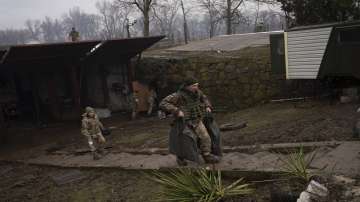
{"x":317,"y":51}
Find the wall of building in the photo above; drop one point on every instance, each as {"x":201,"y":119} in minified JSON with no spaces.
{"x":116,"y":81}
{"x":231,"y":80}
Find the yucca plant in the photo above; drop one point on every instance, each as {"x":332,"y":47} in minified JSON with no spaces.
{"x":197,"y":185}
{"x":297,"y":164}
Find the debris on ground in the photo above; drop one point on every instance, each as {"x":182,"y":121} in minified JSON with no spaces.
{"x":232,"y":126}
{"x":67,"y":176}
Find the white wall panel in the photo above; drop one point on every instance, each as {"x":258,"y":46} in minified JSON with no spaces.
{"x":304,"y":52}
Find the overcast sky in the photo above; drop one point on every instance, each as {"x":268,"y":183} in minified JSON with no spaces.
{"x":14,"y":13}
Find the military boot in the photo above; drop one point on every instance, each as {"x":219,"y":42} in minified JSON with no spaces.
{"x":181,"y":161}
{"x":96,"y":156}
{"x":210,"y":158}
{"x":101,"y":151}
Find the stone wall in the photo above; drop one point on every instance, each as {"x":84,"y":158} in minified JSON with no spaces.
{"x":231,"y":80}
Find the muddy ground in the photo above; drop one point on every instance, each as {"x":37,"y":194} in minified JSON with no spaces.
{"x":20,"y":182}
{"x":32,"y":183}
{"x":269,"y":123}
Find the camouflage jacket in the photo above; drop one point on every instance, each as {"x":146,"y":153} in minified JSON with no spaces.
{"x":91,"y":126}
{"x":74,"y":36}
{"x":179,"y":101}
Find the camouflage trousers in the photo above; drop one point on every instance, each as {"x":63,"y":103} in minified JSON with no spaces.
{"x":151,"y":103}
{"x":202,"y":134}
{"x":96,"y":141}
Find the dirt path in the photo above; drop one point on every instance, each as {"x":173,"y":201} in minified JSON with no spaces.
{"x":344,"y":159}
{"x":106,"y":180}
{"x":270,"y":123}
{"x":21,"y":183}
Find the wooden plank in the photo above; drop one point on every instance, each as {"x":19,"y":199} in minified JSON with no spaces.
{"x":35,"y":94}
{"x":5,"y":170}
{"x":245,"y":149}
{"x":233,"y":126}
{"x":66,"y":177}
{"x":53,"y":98}
{"x":75,"y":87}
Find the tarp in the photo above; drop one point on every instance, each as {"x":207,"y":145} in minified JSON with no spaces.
{"x":50,"y":52}
{"x":72,"y":52}
{"x":122,"y":49}
{"x":184,"y":144}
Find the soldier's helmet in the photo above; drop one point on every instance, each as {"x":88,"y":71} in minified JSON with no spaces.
{"x":189,"y":80}
{"x":89,"y":109}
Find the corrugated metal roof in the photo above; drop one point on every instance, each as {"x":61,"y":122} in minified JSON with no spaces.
{"x":115,"y":49}
{"x":317,"y":26}
{"x":23,"y":54}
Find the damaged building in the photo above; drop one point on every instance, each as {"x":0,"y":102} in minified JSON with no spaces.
{"x":52,"y":82}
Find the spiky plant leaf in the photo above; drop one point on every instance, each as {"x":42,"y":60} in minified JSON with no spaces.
{"x":200,"y":185}
{"x":296,"y":165}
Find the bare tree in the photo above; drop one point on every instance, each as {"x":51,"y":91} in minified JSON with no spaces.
{"x":170,"y":17}
{"x":165,"y":14}
{"x":113,"y":19}
{"x":14,"y":37}
{"x":218,"y":10}
{"x":230,"y":11}
{"x":34,"y":29}
{"x":271,"y":20}
{"x":198,"y":28}
{"x":87,"y":24}
{"x":144,"y":6}
{"x":256,"y":15}
{"x":186,"y":30}
{"x":214,"y":14}
{"x":52,"y":30}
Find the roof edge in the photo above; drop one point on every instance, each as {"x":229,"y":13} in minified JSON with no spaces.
{"x":316,"y":26}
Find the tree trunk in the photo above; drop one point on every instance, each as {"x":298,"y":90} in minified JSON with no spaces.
{"x":228,"y":17}
{"x":256,"y":16}
{"x":186,"y":36}
{"x":211,"y":30}
{"x":146,"y":23}
{"x":128,"y":30}
{"x":3,"y":128}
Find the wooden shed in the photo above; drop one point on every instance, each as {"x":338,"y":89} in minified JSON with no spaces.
{"x":54,"y":81}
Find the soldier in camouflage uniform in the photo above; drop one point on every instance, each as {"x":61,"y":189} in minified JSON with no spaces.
{"x":134,"y":103}
{"x":151,"y":101}
{"x":74,"y":35}
{"x":190,"y":104}
{"x":91,"y":128}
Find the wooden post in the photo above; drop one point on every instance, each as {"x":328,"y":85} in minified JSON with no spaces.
{"x":105,"y":87}
{"x":2,"y":118}
{"x":35,"y":94}
{"x":3,"y":128}
{"x":84,"y":90}
{"x":53,"y":98}
{"x":130,"y":75}
{"x":75,"y":88}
